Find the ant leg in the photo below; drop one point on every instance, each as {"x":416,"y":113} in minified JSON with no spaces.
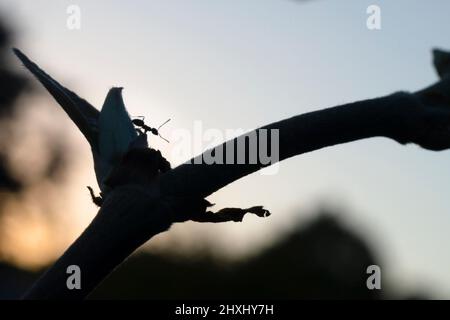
{"x":97,"y":200}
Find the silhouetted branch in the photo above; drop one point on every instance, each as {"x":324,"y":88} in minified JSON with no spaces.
{"x":134,"y":213}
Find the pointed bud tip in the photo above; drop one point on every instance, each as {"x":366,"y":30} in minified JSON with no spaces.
{"x":441,"y":61}
{"x":115,"y":92}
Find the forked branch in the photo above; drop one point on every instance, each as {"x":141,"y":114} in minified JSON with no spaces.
{"x":134,"y":213}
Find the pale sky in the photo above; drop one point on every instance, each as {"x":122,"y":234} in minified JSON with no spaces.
{"x":242,"y":64}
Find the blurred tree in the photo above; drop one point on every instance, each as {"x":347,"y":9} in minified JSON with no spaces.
{"x":12,"y":85}
{"x":16,"y":181}
{"x":322,"y":259}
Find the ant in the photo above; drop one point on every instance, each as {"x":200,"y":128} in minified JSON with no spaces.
{"x":141,"y":124}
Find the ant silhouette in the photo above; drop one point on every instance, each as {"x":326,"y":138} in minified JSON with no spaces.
{"x":141,"y":124}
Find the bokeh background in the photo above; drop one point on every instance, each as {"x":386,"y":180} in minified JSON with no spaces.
{"x":230,"y":65}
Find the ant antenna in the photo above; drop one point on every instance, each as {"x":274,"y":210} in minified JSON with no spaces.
{"x":164,"y":123}
{"x":160,"y":134}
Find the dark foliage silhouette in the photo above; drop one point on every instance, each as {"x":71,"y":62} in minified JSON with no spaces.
{"x":320,"y":260}
{"x":20,"y":188}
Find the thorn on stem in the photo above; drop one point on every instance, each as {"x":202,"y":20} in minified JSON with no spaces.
{"x":97,"y":200}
